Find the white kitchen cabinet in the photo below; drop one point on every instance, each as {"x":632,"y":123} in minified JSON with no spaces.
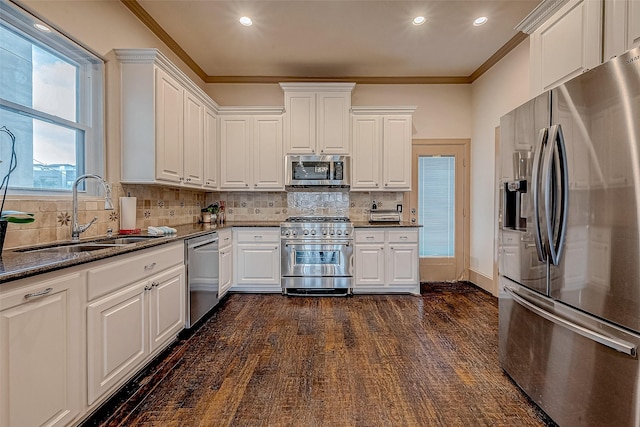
{"x":251,"y":152}
{"x":566,"y":44}
{"x":164,"y":125}
{"x":257,"y":259}
{"x":386,"y":260}
{"x":193,"y":151}
{"x":621,"y":26}
{"x":41,"y":343}
{"x":210,"y":150}
{"x":136,"y":307}
{"x":381,"y":149}
{"x":225,"y":259}
{"x":316,"y":119}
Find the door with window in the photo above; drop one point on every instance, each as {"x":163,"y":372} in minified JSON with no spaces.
{"x":439,"y":201}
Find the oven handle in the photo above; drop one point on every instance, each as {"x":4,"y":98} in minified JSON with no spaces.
{"x":324,"y":243}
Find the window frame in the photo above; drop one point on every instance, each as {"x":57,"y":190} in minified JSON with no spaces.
{"x":90,"y":94}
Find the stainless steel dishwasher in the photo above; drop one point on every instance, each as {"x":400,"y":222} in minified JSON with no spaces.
{"x":201,"y":257}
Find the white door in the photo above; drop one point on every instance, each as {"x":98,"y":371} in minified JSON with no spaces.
{"x":268,"y":164}
{"x":210,"y":149}
{"x":169,"y":132}
{"x":369,"y":261}
{"x":193,"y":139}
{"x":235,"y":152}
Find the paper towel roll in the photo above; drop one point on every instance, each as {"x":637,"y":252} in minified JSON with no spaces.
{"x":127,"y":213}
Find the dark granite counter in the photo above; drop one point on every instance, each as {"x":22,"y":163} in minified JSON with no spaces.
{"x":17,"y":264}
{"x":367,"y":224}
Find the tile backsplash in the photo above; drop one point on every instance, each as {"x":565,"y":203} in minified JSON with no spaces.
{"x":157,"y":205}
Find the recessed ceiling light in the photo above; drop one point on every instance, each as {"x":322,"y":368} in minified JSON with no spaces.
{"x":246,"y":21}
{"x":480,"y":21}
{"x":42,"y":27}
{"x":419,"y":20}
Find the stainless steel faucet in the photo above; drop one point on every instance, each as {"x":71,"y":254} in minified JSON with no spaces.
{"x":76,"y":228}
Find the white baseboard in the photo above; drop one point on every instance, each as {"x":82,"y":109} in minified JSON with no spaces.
{"x":484,"y":282}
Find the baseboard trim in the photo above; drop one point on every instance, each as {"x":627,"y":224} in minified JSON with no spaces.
{"x":483,"y":282}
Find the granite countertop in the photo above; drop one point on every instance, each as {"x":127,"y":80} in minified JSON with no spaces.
{"x":17,"y":264}
{"x":367,"y":224}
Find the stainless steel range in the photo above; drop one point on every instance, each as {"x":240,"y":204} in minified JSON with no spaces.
{"x":316,"y":255}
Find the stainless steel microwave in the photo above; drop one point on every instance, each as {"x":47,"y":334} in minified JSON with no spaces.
{"x":318,"y":171}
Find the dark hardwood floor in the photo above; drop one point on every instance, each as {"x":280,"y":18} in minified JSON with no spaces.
{"x":269,"y":360}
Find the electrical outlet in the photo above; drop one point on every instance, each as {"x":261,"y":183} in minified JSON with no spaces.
{"x":399,"y":207}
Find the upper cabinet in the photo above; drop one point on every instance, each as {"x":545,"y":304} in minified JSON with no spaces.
{"x":621,"y":25}
{"x":169,"y":132}
{"x":382,"y":138}
{"x":316,"y":119}
{"x":566,"y":44}
{"x":251,"y":155}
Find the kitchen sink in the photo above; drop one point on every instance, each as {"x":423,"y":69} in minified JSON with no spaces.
{"x":107,"y":243}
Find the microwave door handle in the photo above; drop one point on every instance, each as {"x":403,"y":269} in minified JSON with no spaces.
{"x":535,"y":178}
{"x":556,"y":231}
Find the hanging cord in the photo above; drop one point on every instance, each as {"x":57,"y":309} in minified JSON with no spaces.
{"x":13,"y":164}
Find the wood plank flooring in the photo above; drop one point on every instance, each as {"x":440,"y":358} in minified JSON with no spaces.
{"x":269,"y":360}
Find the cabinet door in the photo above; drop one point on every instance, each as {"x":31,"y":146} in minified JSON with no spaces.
{"x":366,"y":162}
{"x":193,"y":140}
{"x":402,"y":264}
{"x":210,"y":149}
{"x":300,"y":122}
{"x":235,"y":154}
{"x":169,"y":132}
{"x":268,"y":162}
{"x":225,"y":258}
{"x":621,"y":26}
{"x":397,"y":152}
{"x":116,"y":338}
{"x":40,"y":353}
{"x":633,"y":24}
{"x":166,"y":306}
{"x":369,"y":265}
{"x":333,"y":125}
{"x":258,"y":264}
{"x":566,"y":45}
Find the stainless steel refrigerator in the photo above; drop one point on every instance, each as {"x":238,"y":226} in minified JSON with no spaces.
{"x":569,"y":302}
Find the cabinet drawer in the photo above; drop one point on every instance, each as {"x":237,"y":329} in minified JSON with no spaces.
{"x":257,"y":235}
{"x":128,"y":268}
{"x":224,"y":238}
{"x":369,"y":236}
{"x":403,"y":236}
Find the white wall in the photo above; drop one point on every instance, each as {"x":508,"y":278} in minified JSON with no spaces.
{"x":498,"y":91}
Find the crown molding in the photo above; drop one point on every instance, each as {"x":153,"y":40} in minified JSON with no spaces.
{"x":538,"y":15}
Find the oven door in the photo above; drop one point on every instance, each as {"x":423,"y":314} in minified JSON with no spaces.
{"x":317,"y":259}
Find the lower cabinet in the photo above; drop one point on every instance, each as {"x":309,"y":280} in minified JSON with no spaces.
{"x":386,"y":260}
{"x":225,"y":259}
{"x":257,"y":259}
{"x":126,"y":327}
{"x":41,"y":350}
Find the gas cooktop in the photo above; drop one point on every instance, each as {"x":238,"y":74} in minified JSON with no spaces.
{"x":310,"y":219}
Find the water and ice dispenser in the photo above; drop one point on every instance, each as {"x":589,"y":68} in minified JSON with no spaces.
{"x":516,"y":198}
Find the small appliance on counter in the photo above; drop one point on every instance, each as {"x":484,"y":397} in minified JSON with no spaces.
{"x":380,"y":215}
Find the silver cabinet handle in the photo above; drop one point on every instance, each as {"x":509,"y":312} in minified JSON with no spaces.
{"x":614,"y":343}
{"x":149,"y":266}
{"x":38,"y":294}
{"x":404,"y":237}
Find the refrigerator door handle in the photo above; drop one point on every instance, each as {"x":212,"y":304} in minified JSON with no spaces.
{"x":557,"y":227}
{"x":611,"y":342}
{"x":535,"y":178}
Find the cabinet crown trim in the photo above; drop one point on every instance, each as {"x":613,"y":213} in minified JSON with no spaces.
{"x":155,"y":57}
{"x":317,"y":87}
{"x":250,"y":110}
{"x":539,"y":15}
{"x":384,"y":110}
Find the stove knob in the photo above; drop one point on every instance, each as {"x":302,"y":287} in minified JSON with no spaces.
{"x":332,"y":232}
{"x":324,"y":232}
{"x":346,"y":233}
{"x":313,"y":232}
{"x":339,"y":232}
{"x":306,"y":232}
{"x":294,"y":232}
{"x":287,"y":233}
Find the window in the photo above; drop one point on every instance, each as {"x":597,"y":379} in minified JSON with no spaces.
{"x":436,"y":201}
{"x":51,"y":92}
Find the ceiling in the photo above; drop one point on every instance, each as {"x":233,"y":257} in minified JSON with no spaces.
{"x":356,"y":40}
